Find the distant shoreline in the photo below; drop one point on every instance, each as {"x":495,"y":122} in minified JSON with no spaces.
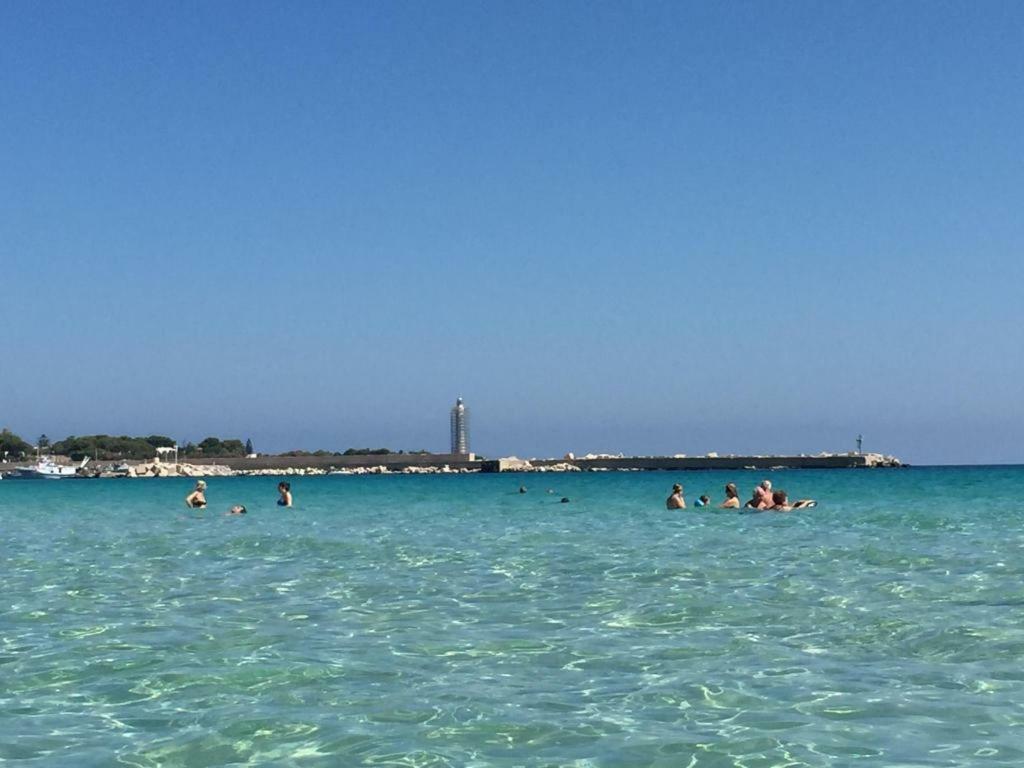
{"x":464,"y":464}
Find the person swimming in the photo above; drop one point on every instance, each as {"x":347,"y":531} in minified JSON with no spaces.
{"x":238,"y":509}
{"x":197,"y":499}
{"x":762,"y":498}
{"x":676,"y":500}
{"x":780,"y":502}
{"x":732,"y":497}
{"x":703,"y":501}
{"x":285,"y":489}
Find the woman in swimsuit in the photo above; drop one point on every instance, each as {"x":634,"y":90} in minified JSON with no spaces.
{"x":197,"y":499}
{"x":285,"y":489}
{"x":676,"y":500}
{"x":732,"y":497}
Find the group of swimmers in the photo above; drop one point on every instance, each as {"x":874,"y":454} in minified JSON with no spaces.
{"x":764,"y":499}
{"x":197,"y":499}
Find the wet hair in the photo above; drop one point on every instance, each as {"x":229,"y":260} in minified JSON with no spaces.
{"x":285,"y":486}
{"x":705,"y":499}
{"x":730,"y":490}
{"x":779,"y":497}
{"x":766,"y":484}
{"x":238,"y":509}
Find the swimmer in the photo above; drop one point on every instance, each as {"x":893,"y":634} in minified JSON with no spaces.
{"x":238,"y":509}
{"x":676,"y":500}
{"x":762,"y":498}
{"x":732,"y":497}
{"x":522,"y":489}
{"x":780,"y":503}
{"x":565,"y":500}
{"x":197,"y":499}
{"x":285,"y":489}
{"x":703,"y":501}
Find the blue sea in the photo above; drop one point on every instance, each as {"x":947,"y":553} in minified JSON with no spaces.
{"x":452,"y":621}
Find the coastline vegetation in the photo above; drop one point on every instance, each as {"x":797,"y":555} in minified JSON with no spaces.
{"x":12,"y":446}
{"x":107,"y":447}
{"x":214,"y":448}
{"x":124,"y":447}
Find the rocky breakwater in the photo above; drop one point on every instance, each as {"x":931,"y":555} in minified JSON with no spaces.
{"x":375,"y":470}
{"x":513,"y":464}
{"x":160,"y":469}
{"x":880,"y":460}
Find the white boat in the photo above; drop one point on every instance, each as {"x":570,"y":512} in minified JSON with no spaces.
{"x":47,"y":469}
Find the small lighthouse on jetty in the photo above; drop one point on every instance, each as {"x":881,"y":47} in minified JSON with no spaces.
{"x":460,"y":428}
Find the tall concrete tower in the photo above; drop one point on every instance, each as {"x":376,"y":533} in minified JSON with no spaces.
{"x":460,"y":428}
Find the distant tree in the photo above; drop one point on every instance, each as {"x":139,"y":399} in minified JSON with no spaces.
{"x":12,"y":446}
{"x":367,"y":452}
{"x":214,"y":447}
{"x":43,"y":442}
{"x":232,"y":448}
{"x":210,"y":445}
{"x":248,"y":446}
{"x":108,"y":447}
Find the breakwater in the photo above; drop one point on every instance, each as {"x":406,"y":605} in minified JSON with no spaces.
{"x":398,"y":462}
{"x":676,"y":463}
{"x":456,"y":463}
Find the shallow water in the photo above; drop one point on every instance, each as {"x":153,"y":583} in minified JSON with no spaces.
{"x":436,"y":621}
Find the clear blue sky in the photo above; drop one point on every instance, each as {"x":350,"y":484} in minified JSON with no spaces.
{"x":641,"y":227}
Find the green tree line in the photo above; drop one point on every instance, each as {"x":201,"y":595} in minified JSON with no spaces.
{"x":107,"y":447}
{"x":112,"y":447}
{"x":12,"y":446}
{"x":214,"y":447}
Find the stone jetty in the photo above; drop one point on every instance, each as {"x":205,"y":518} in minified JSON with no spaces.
{"x":442,"y":464}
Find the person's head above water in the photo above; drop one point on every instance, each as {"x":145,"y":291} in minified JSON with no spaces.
{"x":238,"y":509}
{"x":779,"y":498}
{"x":200,"y":485}
{"x":766,"y":484}
{"x":283,"y":486}
{"x":677,"y":488}
{"x":730,"y":490}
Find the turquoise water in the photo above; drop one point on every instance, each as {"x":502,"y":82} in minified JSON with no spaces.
{"x":450,"y":621}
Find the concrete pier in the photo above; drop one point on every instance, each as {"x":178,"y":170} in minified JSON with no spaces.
{"x":399,"y":462}
{"x":396,"y":462}
{"x":825,"y":461}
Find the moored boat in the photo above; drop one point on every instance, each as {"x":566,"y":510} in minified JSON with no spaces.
{"x":47,"y":469}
